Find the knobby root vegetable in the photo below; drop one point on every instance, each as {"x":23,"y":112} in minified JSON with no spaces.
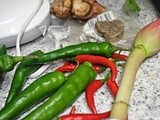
{"x":61,"y":8}
{"x":147,"y":43}
{"x":86,"y":9}
{"x":79,"y":9}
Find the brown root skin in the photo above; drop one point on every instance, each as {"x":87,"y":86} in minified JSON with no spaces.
{"x":97,"y":9}
{"x":89,"y":1}
{"x":78,"y":9}
{"x":61,"y":8}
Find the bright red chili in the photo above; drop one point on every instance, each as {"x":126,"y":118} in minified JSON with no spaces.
{"x":82,"y":116}
{"x":89,"y":93}
{"x":100,"y":60}
{"x":98,"y":68}
{"x":72,"y":110}
{"x":112,"y":86}
{"x":69,"y":67}
{"x":119,"y":56}
{"x":94,"y":86}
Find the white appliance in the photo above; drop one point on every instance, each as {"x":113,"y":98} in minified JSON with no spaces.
{"x":13,"y":14}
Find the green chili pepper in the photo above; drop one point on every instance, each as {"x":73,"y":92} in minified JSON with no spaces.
{"x":3,"y":51}
{"x":38,"y":90}
{"x":98,"y":48}
{"x":8,"y":62}
{"x":21,"y":74}
{"x":66,"y":94}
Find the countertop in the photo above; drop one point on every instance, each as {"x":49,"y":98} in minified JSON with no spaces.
{"x":144,"y":104}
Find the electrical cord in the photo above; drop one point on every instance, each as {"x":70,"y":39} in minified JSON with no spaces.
{"x":24,"y":26}
{"x":20,"y":35}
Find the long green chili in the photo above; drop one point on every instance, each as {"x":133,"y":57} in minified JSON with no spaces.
{"x":37,"y":91}
{"x":97,"y":48}
{"x":21,"y":74}
{"x":65,"y":95}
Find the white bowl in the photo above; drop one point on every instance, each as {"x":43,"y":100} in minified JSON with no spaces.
{"x":13,"y":14}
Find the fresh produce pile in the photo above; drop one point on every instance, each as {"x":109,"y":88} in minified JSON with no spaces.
{"x":83,"y":62}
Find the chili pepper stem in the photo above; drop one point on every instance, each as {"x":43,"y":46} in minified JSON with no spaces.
{"x":17,"y":59}
{"x":120,"y":107}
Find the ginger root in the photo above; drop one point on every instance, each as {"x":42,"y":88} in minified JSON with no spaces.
{"x":79,"y":9}
{"x":61,"y":8}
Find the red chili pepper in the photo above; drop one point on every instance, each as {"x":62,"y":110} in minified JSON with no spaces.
{"x":94,"y":86}
{"x":82,"y":116}
{"x":67,"y":63}
{"x":112,"y":86}
{"x":100,"y":60}
{"x":69,"y":67}
{"x":98,"y":68}
{"x":72,"y":110}
{"x":89,"y":93}
{"x":119,"y":56}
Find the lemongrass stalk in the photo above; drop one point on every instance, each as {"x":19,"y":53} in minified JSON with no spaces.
{"x":147,"y":43}
{"x":120,"y":108}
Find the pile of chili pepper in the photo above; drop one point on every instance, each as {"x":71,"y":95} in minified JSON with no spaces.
{"x":66,"y":94}
{"x":95,"y":85}
{"x":87,"y":58}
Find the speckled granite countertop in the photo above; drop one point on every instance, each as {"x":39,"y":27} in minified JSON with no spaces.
{"x":145,"y":99}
